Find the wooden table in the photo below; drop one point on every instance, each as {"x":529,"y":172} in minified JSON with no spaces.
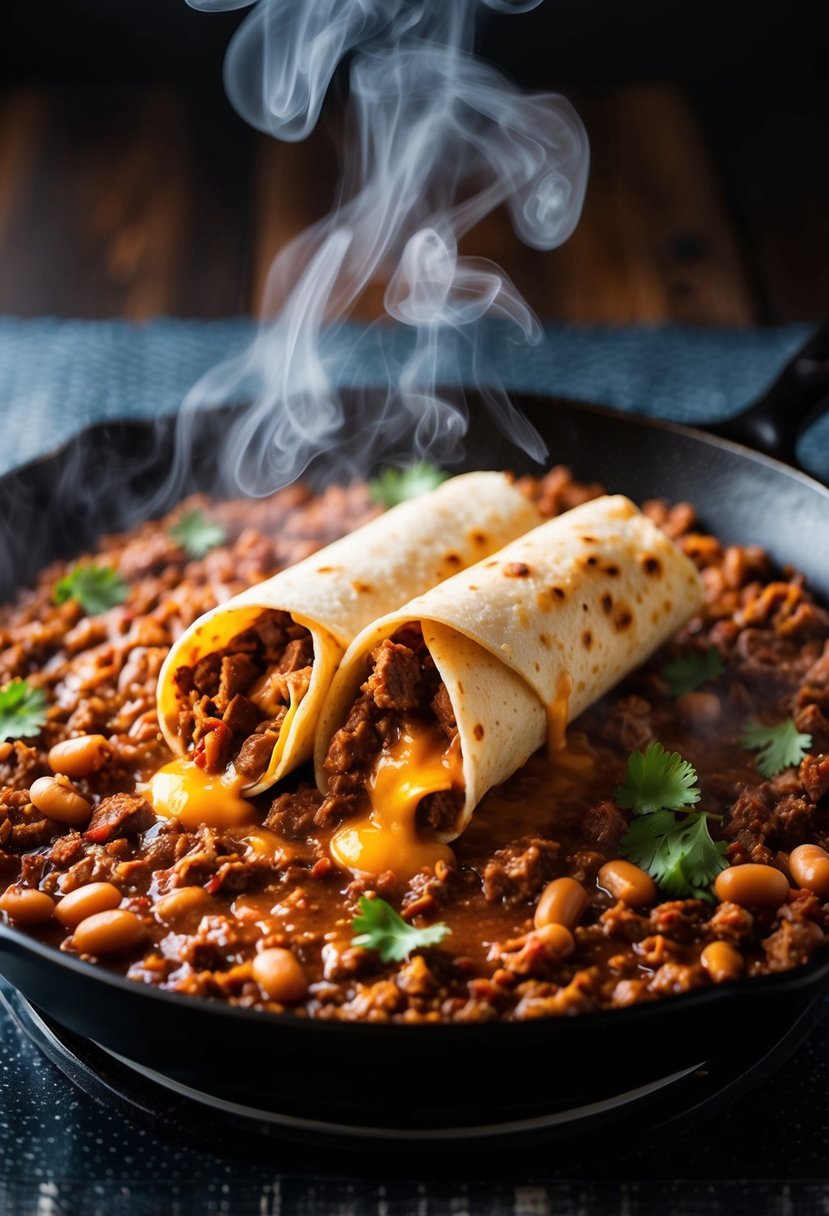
{"x":139,"y":201}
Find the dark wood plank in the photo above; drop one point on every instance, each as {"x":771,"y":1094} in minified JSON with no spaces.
{"x":128,"y":207}
{"x":655,"y":242}
{"x":773,"y":153}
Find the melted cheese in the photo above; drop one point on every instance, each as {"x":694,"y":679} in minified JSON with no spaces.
{"x":181,"y":790}
{"x":417,"y":764}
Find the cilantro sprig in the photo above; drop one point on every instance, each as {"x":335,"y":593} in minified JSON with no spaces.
{"x":657,"y":780}
{"x":679,"y":854}
{"x":668,"y":839}
{"x":196,"y":534}
{"x":95,"y":588}
{"x":778,"y":747}
{"x":379,"y":927}
{"x":22,"y":710}
{"x":393,"y":486}
{"x":688,"y":671}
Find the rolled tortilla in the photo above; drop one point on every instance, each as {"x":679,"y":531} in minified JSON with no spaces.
{"x":339,"y":590}
{"x":530,"y":637}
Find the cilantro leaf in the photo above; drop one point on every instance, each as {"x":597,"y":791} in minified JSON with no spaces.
{"x":657,"y":780}
{"x":95,"y":588}
{"x":678,"y":853}
{"x":380,"y":928}
{"x":196,"y":534}
{"x":687,"y":671}
{"x":778,"y":747}
{"x":22,"y":710}
{"x":393,"y":486}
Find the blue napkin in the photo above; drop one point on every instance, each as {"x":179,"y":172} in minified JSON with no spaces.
{"x":56,"y":376}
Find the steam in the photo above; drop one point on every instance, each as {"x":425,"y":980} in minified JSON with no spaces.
{"x":436,"y":140}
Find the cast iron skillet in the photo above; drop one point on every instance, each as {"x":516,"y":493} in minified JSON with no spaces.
{"x":418,"y":1077}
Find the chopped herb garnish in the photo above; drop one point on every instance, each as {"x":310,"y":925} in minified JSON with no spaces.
{"x":196,"y":534}
{"x":380,"y":928}
{"x":657,"y":780}
{"x":778,"y":747}
{"x":687,"y":671}
{"x":22,"y":710}
{"x":668,"y":840}
{"x":95,"y":588}
{"x":393,"y":486}
{"x":677,"y":852}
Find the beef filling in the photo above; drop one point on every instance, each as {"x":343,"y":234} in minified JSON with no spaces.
{"x":233,"y":702}
{"x":403,"y":683}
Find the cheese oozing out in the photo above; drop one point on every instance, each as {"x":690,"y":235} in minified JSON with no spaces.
{"x":181,"y":790}
{"x":416,"y":764}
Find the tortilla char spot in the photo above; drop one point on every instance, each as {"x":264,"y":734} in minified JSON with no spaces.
{"x":595,"y":669}
{"x":558,"y":592}
{"x":473,"y":586}
{"x":589,"y":540}
{"x":580,"y":687}
{"x":544,"y":640}
{"x":478,"y":730}
{"x":668,"y":605}
{"x":622,"y":618}
{"x":460,"y":688}
{"x":587,"y":639}
{"x":537,"y":666}
{"x":362,"y":588}
{"x":327,"y":569}
{"x":585,"y":607}
{"x":655,"y":615}
{"x":516,"y":570}
{"x":591,"y":561}
{"x":479,"y":538}
{"x":651,"y":565}
{"x":452,"y":559}
{"x":606,"y":601}
{"x":611,"y":570}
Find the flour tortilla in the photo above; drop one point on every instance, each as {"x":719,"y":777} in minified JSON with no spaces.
{"x":339,"y":590}
{"x":530,"y":637}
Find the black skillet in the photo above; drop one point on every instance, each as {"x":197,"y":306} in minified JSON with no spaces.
{"x":396,"y":1079}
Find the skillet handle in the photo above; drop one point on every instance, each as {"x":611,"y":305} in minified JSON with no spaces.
{"x":798,"y":396}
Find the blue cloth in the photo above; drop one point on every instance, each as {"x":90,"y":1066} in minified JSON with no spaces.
{"x":58,"y":375}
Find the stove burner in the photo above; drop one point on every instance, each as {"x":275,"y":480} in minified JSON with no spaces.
{"x":660,"y":1107}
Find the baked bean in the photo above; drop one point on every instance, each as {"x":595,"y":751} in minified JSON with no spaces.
{"x":699,"y":708}
{"x":178,"y":903}
{"x":558,"y":940}
{"x":280,"y":976}
{"x":809,"y":864}
{"x":86,"y":901}
{"x":26,"y":906}
{"x":108,"y":932}
{"x":562,"y":902}
{"x":80,"y":756}
{"x":722,"y":962}
{"x":58,"y":798}
{"x":751,"y":886}
{"x":625,"y":881}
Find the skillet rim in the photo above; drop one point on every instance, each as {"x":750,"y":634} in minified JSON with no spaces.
{"x":805,"y":975}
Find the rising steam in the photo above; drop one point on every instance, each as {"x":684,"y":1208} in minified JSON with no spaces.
{"x":436,"y":140}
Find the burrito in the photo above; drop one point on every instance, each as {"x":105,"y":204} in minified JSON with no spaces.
{"x":240,"y":692}
{"x":443,"y":699}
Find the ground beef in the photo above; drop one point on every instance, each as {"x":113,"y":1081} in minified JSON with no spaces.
{"x":520,"y":871}
{"x":395,"y":681}
{"x":272,"y":883}
{"x":292,"y":815}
